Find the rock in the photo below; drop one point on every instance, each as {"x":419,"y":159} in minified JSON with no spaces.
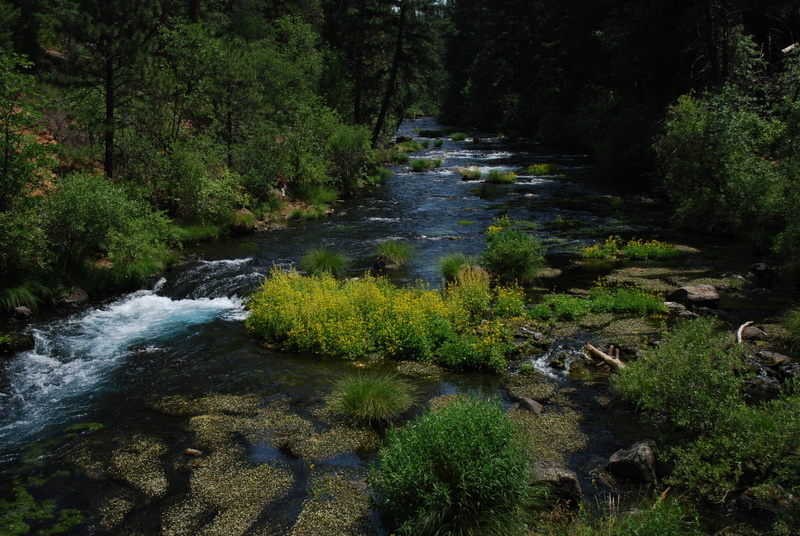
{"x":383,"y":262}
{"x":789,"y":370}
{"x":22,"y":313}
{"x":192,"y":452}
{"x":636,"y":463}
{"x":695,"y":295}
{"x":76,"y":298}
{"x":531,"y":405}
{"x":753,"y":333}
{"x":563,"y":481}
{"x":11,"y":343}
{"x":678,"y":310}
{"x":765,"y":274}
{"x":403,"y":139}
{"x":773,"y":359}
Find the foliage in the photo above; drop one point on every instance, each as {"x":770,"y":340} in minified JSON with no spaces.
{"x":322,"y":260}
{"x":543,"y":169}
{"x":509,"y":301}
{"x":602,"y":298}
{"x":469,"y":294}
{"x":725,"y":443}
{"x":511,"y":254}
{"x":497,"y":176}
{"x":371,"y":398}
{"x":422,"y":164}
{"x":483,"y":349}
{"x":790,"y":320}
{"x":471,"y":173}
{"x":458,"y":136}
{"x":398,"y":252}
{"x":16,"y":516}
{"x":351,"y":318}
{"x":635,"y":249}
{"x":462,"y":469}
{"x":452,"y":263}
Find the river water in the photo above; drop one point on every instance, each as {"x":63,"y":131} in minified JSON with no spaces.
{"x":184,"y":336}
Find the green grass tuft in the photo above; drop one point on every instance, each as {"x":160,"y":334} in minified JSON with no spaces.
{"x":543,"y":169}
{"x":470,"y":174}
{"x":497,"y":176}
{"x":452,"y":263}
{"x":324,"y":260}
{"x":397,"y":252}
{"x":371,"y":398}
{"x":458,"y":136}
{"x":423,"y":164}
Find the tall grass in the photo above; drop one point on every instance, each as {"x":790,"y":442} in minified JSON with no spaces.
{"x":543,"y":169}
{"x":398,"y":252}
{"x":470,"y":174}
{"x":790,"y":320}
{"x":452,"y":263}
{"x":602,"y":298}
{"x":634,"y":249}
{"x":458,"y":136}
{"x":423,"y":164}
{"x":371,"y":398}
{"x":511,"y":254}
{"x":322,"y":260}
{"x":497,"y":176}
{"x":29,"y":294}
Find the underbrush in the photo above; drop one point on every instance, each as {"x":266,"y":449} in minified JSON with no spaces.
{"x":462,"y":469}
{"x":695,"y":383}
{"x":615,"y":248}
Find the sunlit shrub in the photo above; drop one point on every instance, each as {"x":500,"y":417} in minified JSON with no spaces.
{"x":511,"y":254}
{"x":452,"y":263}
{"x":509,"y":301}
{"x":371,"y":398}
{"x":635,"y":249}
{"x":483,"y":348}
{"x":469,"y":294}
{"x":497,"y":176}
{"x":461,"y":469}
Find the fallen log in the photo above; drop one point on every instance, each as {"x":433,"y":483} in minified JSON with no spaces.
{"x":615,"y":362}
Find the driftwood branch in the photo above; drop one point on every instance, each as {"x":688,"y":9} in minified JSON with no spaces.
{"x":740,"y":331}
{"x":614,"y":361}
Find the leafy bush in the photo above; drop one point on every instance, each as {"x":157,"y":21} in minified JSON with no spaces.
{"x":512,"y":255}
{"x":543,"y":169}
{"x":635,"y":249}
{"x":350,"y":318}
{"x":324,"y":260}
{"x":483,"y":349}
{"x":322,"y":195}
{"x":462,"y":469}
{"x":395,"y":251}
{"x":509,"y":301}
{"x":452,"y":263}
{"x":497,"y":176}
{"x":371,"y":398}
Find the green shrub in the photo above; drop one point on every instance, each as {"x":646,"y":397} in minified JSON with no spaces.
{"x":512,"y":255}
{"x":438,"y":143}
{"x":324,"y":260}
{"x":452,"y":263}
{"x":509,"y":301}
{"x":395,"y":251}
{"x":401,"y":158}
{"x":602,"y":298}
{"x":497,"y":176}
{"x":322,"y":195}
{"x":423,"y":164}
{"x":543,"y":169}
{"x":371,"y":398}
{"x":469,"y":294}
{"x":458,"y":136}
{"x":482,"y":349}
{"x":470,"y":174}
{"x":790,"y":320}
{"x":460,"y":470}
{"x":635,"y":249}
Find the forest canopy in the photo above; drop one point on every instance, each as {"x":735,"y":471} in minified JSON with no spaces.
{"x":129,"y":128}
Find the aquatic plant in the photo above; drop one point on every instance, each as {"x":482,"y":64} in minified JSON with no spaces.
{"x":438,"y":143}
{"x":422,"y":164}
{"x":401,"y":158}
{"x":324,"y":260}
{"x":371,"y":398}
{"x":17,"y":514}
{"x":412,"y":146}
{"x":511,"y":254}
{"x":395,"y":251}
{"x":497,"y":176}
{"x":435,"y":474}
{"x":634,"y":249}
{"x":602,"y":298}
{"x":458,"y":136}
{"x":452,"y":263}
{"x":543,"y":169}
{"x":470,"y":173}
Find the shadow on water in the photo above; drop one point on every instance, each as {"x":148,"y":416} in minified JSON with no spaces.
{"x":187,"y":402}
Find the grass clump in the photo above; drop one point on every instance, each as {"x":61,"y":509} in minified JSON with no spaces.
{"x":497,"y":176}
{"x":470,"y":173}
{"x":438,"y":143}
{"x":602,"y":298}
{"x":543,"y":169}
{"x":371,"y":398}
{"x":614,"y":248}
{"x":695,"y":382}
{"x":458,"y":136}
{"x":512,"y":255}
{"x":322,"y":260}
{"x":423,"y":164}
{"x":462,"y":469}
{"x":452,"y":263}
{"x":396,"y":252}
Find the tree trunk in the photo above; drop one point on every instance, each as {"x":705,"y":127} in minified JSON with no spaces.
{"x":108,"y":159}
{"x":194,"y":11}
{"x":398,"y":53}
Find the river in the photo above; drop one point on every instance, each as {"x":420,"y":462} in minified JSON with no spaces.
{"x":121,"y":389}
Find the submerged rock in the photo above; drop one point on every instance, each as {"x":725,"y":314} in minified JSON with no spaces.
{"x":695,"y":295}
{"x":636,"y":463}
{"x":563,"y":481}
{"x":75,"y":298}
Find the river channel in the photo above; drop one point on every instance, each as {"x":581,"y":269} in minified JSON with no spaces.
{"x":147,"y":412}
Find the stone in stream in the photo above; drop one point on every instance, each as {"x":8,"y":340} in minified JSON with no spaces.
{"x":531,"y":405}
{"x":22,"y":313}
{"x":636,"y":463}
{"x":11,"y":343}
{"x":696,"y":295}
{"x":76,"y":298}
{"x":562,"y":481}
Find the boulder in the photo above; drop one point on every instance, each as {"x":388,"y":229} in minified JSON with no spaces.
{"x":637,"y":463}
{"x":383,"y":262}
{"x":772,"y":359}
{"x":403,"y":139}
{"x":678,"y":310}
{"x":11,"y":343}
{"x":244,"y":222}
{"x":753,"y":333}
{"x":695,"y":295}
{"x":76,"y":298}
{"x":563,"y":481}
{"x":22,"y":313}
